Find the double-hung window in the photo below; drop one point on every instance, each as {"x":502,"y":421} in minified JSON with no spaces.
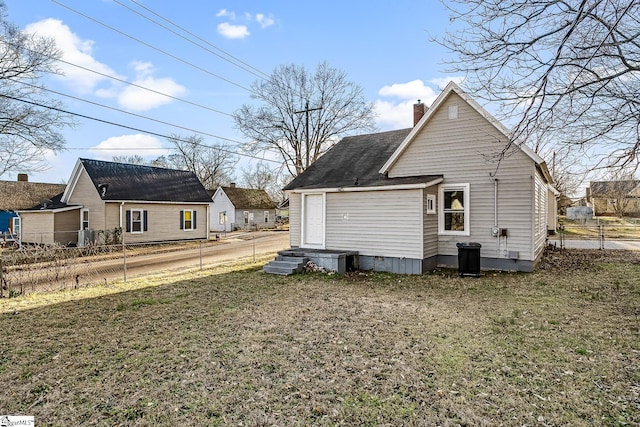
{"x":84,"y":219}
{"x":454,"y":209}
{"x":137,"y":218}
{"x":188,"y":220}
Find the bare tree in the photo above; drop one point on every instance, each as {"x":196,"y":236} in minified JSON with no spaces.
{"x":568,"y":70}
{"x":617,"y":190}
{"x":302,"y":114}
{"x":135,"y":159}
{"x":212,"y":164}
{"x":30,"y":123}
{"x":262,"y":177}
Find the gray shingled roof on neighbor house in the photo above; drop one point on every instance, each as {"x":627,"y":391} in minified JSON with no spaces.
{"x":249,"y":198}
{"x":612,"y":188}
{"x":355,"y":162}
{"x":144,"y":183}
{"x":17,"y":195}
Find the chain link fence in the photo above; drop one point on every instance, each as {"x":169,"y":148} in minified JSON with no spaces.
{"x":598,"y":233}
{"x":41,"y":268}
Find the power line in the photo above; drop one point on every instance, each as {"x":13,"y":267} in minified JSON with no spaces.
{"x":137,"y":129}
{"x":195,"y":104}
{"x":127,"y":112}
{"x":151,"y":46}
{"x":239,"y":63}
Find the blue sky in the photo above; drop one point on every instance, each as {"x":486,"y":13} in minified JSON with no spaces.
{"x":382,"y":46}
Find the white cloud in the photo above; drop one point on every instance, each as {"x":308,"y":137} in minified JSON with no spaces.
{"x":226,"y":14}
{"x":128,"y":145}
{"x":75,"y":51}
{"x":137,"y":99}
{"x":264,"y":21}
{"x":414,"y":90}
{"x":398,"y":114}
{"x":231,"y":31}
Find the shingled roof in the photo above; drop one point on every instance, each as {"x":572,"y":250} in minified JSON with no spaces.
{"x":355,"y":162}
{"x":613,"y":188}
{"x":122,"y":181}
{"x":17,"y":195}
{"x":249,"y":198}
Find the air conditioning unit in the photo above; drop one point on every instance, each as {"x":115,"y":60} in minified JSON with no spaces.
{"x":85,"y":238}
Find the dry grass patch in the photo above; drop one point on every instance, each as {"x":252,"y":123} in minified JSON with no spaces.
{"x":556,"y":347}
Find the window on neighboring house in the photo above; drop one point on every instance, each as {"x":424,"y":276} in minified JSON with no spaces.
{"x":222,"y":217}
{"x":245,"y":215}
{"x":84,"y":219}
{"x":454,"y":209}
{"x":431,"y":203}
{"x":266,"y":216}
{"x":136,"y":221}
{"x":188,"y":220}
{"x":15,"y":229}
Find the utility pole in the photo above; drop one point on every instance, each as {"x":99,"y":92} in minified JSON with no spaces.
{"x":306,"y":111}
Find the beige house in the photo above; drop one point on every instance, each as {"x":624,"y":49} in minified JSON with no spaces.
{"x":402,"y":200}
{"x":108,"y":201}
{"x":22,"y":194}
{"x":614,"y":198}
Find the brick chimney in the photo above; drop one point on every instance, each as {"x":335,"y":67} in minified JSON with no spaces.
{"x":232,"y":185}
{"x":418,"y":111}
{"x":23,"y":177}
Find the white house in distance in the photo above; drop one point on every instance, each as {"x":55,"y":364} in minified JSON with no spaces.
{"x":402,"y":200}
{"x":241,"y":208}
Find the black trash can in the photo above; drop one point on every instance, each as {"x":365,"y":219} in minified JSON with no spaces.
{"x":469,"y":259}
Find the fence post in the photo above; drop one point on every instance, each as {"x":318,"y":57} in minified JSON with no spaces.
{"x":200,"y":254}
{"x":124,"y":259}
{"x":1,"y":278}
{"x":601,"y":236}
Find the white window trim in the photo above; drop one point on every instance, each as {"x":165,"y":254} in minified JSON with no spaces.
{"x":245,"y":217}
{"x":266,"y":216}
{"x":184,"y":220}
{"x":431,"y":203}
{"x":441,"y":191}
{"x":16,"y":220}
{"x":141,"y":221}
{"x":82,"y":212}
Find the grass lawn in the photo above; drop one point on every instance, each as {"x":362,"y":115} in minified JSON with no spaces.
{"x":560,"y":346}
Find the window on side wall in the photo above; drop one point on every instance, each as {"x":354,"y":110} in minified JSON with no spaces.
{"x":266,"y":216}
{"x":431,"y":203}
{"x":454,"y":209}
{"x":84,"y":219}
{"x":136,"y":221}
{"x":188,"y":220}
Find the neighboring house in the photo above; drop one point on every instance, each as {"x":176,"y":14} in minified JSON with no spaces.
{"x":614,"y":198}
{"x":403,"y":199}
{"x":241,"y":208}
{"x":22,"y":194}
{"x":143,"y":203}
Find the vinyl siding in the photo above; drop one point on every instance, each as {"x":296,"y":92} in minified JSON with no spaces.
{"x":461,"y":150}
{"x":221,"y":203}
{"x":430,"y":226}
{"x":540,"y":214}
{"x":163,"y":222}
{"x":66,"y":226}
{"x":377,"y":223}
{"x":85,"y":194}
{"x":37,"y":227}
{"x":295,"y":212}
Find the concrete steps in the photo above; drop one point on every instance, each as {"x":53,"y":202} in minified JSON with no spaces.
{"x":286,"y":265}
